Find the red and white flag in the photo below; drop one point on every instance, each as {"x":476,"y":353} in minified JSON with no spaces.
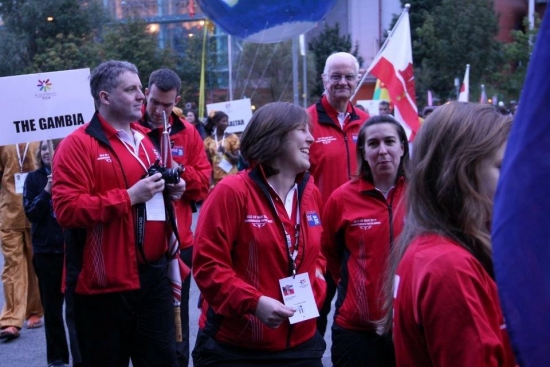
{"x":464,"y":95}
{"x":394,"y":67}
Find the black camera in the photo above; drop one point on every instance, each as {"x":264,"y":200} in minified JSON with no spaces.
{"x":169,"y":175}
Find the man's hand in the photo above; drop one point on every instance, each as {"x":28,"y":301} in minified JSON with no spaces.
{"x":145,"y":189}
{"x":272,"y":312}
{"x":176,"y":190}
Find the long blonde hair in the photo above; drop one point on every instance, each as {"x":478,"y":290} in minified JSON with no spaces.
{"x":443,"y":195}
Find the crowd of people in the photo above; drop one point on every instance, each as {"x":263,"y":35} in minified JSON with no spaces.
{"x":303,"y":205}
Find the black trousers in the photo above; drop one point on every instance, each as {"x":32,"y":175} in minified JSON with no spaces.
{"x":139,"y":325}
{"x":351,"y":348}
{"x":182,"y":349}
{"x":49,"y":270}
{"x":209,"y":352}
{"x":322,"y":320}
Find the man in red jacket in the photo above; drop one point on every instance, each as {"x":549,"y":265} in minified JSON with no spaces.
{"x":162,"y":95}
{"x":116,"y":234}
{"x":336,"y":125}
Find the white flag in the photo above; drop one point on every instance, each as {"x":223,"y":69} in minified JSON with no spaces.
{"x":464,"y":95}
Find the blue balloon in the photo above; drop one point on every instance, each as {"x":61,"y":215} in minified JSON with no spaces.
{"x":266,"y":21}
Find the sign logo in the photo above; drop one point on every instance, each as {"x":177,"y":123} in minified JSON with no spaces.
{"x":44,"y":85}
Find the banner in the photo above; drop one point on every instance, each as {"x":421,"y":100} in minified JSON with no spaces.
{"x":521,"y":230}
{"x":239,"y":112}
{"x":44,"y":106}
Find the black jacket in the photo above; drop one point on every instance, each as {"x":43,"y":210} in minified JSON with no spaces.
{"x":47,"y":235}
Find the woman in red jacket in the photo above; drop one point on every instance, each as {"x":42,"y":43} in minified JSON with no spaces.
{"x":361,"y":219}
{"x":257,"y":258}
{"x":446,"y":310}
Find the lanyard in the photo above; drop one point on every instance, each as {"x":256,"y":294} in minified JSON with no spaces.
{"x":20,"y":159}
{"x":135,"y":151}
{"x":217,"y":142}
{"x":294,"y":254}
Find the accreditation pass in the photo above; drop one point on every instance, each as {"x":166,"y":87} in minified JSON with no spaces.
{"x":298,"y":293}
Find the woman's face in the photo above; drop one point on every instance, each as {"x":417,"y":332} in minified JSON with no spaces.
{"x":383,"y":151}
{"x":221,"y":125}
{"x":45,"y":154}
{"x":190,"y":117}
{"x":295,"y":156}
{"x":489,"y":172}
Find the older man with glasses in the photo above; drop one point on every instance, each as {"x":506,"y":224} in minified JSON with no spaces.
{"x":336,"y":125}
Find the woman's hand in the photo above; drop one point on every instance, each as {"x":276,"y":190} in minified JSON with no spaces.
{"x":272,"y":312}
{"x":48,"y":187}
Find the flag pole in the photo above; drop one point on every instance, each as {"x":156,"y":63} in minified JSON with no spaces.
{"x":405,"y":10}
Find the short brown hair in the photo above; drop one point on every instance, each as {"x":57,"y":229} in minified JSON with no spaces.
{"x":264,"y":137}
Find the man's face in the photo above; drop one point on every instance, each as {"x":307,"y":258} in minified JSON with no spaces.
{"x":159,"y":101}
{"x":384,"y":109}
{"x":340,"y":80}
{"x":125,"y":101}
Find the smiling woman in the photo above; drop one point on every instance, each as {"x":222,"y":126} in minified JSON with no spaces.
{"x":250,"y":264}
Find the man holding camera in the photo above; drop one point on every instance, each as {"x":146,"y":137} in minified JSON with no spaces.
{"x":117,"y":228}
{"x":162,"y":95}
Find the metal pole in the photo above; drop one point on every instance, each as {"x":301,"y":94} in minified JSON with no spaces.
{"x":295,"y":70}
{"x":230,"y":67}
{"x":303,"y":52}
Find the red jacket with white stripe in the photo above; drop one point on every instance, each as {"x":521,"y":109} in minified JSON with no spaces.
{"x":359,"y":226}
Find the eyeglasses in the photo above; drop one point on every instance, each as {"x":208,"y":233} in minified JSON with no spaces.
{"x":338,"y":77}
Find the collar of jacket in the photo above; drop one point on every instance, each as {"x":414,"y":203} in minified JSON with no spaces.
{"x":257,"y":175}
{"x":176,"y":123}
{"x":95,"y":130}
{"x":323,"y":116}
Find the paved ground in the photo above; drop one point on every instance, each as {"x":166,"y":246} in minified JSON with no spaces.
{"x":30,"y":349}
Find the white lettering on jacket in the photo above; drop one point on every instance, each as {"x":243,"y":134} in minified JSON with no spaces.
{"x":257,"y":221}
{"x":325,"y":139}
{"x":365,"y":223}
{"x":104,"y":157}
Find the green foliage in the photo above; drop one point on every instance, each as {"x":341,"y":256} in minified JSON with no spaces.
{"x":326,"y":43}
{"x":509,"y":80}
{"x":130,"y":41}
{"x":452,"y":35}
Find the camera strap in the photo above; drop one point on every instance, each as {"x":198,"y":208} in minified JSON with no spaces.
{"x":141,"y":218}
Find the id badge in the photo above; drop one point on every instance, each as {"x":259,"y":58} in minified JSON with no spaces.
{"x":155,"y":208}
{"x":298,"y":293}
{"x":20,"y":182}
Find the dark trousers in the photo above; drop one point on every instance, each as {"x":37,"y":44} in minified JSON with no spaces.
{"x":139,"y":325}
{"x":182,"y":349}
{"x":49,"y":270}
{"x":71,"y":328}
{"x":351,"y":348}
{"x":209,"y":352}
{"x":322,"y":320}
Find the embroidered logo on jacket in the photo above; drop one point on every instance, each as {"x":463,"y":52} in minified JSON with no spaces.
{"x":325,"y":139}
{"x":177,"y":151}
{"x":313,"y":219}
{"x":354,"y":138}
{"x":104,"y":157}
{"x":365,"y":224}
{"x":257,"y":221}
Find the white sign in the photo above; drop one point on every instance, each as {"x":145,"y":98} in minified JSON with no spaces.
{"x":44,"y":106}
{"x":239,"y":112}
{"x":371,"y":105}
